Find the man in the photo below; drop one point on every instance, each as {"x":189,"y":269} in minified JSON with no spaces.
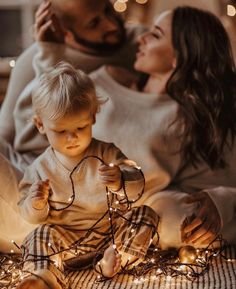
{"x":86,"y":33}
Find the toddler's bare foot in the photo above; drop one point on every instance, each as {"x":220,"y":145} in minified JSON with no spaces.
{"x":32,"y":282}
{"x":110,"y":263}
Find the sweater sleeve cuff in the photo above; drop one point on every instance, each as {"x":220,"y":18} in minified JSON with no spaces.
{"x":224,"y":199}
{"x":47,"y":56}
{"x":36,"y":216}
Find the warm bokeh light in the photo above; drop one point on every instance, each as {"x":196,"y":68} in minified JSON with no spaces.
{"x":141,"y":1}
{"x":231,"y":10}
{"x":120,"y":6}
{"x":122,"y":1}
{"x":12,"y":63}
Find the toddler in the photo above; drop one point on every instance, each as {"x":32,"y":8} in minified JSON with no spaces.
{"x":64,"y":189}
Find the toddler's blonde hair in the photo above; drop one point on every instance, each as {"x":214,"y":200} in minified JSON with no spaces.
{"x":64,"y":90}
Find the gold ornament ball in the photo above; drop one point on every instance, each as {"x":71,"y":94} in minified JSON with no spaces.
{"x":187,"y":254}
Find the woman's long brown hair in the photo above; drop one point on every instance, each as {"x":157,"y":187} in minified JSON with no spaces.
{"x":204,"y":85}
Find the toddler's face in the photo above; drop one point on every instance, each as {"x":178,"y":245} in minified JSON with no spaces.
{"x":71,"y":134}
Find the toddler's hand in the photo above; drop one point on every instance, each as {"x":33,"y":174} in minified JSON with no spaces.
{"x":110,"y":176}
{"x":39,"y":193}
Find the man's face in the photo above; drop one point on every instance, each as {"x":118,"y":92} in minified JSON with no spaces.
{"x":96,"y":26}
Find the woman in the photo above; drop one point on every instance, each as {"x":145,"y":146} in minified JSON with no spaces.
{"x":178,"y":124}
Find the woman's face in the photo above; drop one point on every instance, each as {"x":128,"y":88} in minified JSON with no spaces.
{"x":156,"y":54}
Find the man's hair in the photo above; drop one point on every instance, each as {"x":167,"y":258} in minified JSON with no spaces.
{"x":64,"y":90}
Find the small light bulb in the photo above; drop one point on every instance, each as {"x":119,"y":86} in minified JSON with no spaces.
{"x":154,"y":277}
{"x":231,"y":10}
{"x":12,"y":63}
{"x":120,"y":6}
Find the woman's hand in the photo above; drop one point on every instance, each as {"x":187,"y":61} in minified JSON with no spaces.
{"x":205,"y":224}
{"x":47,"y":26}
{"x":110,"y":176}
{"x":39,"y":194}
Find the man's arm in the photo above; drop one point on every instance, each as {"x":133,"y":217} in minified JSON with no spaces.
{"x":21,"y":75}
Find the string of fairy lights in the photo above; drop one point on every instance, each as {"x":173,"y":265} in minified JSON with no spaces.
{"x":188,"y":261}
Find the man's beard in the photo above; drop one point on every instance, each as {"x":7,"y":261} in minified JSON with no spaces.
{"x":103,"y":47}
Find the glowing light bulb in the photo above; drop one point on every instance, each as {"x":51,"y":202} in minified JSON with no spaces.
{"x":56,"y":263}
{"x":231,"y":10}
{"x":154,"y":277}
{"x":111,"y":165}
{"x":12,"y":63}
{"x":141,"y":1}
{"x":120,"y":6}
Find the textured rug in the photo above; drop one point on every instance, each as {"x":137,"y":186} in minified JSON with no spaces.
{"x":221,"y":274}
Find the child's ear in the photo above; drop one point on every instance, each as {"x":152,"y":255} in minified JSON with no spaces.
{"x":39,"y":124}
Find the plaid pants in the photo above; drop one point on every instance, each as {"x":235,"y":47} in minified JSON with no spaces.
{"x":48,"y":246}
